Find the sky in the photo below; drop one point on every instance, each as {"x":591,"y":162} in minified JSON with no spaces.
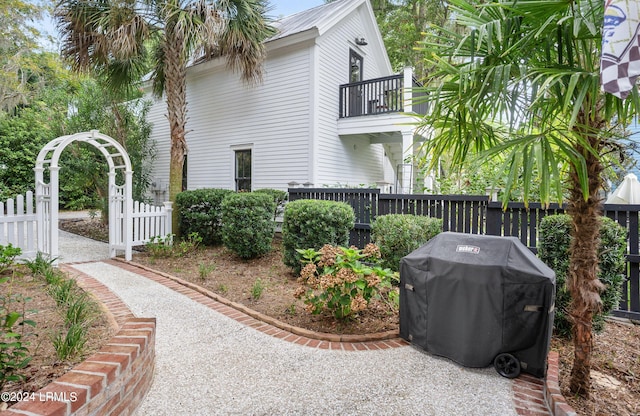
{"x":278,"y":8}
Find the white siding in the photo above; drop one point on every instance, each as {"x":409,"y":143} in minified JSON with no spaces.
{"x":337,"y":158}
{"x":224,"y":114}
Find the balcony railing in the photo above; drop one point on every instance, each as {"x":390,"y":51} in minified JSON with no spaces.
{"x":377,"y":96}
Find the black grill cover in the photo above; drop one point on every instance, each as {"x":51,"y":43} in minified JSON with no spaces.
{"x":470,"y":297}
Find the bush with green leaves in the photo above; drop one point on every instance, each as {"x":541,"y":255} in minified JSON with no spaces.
{"x":553,"y":249}
{"x":399,"y":234}
{"x":8,"y":255}
{"x":247,"y":223}
{"x":279,"y":197}
{"x":200,"y":211}
{"x":342,"y":280}
{"x":312,"y":224}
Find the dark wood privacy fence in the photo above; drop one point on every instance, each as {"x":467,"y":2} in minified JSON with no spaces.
{"x":477,"y":215}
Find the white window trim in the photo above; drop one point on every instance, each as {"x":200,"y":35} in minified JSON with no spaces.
{"x":232,"y":156}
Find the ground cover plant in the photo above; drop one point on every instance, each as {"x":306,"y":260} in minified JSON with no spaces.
{"x":47,"y":325}
{"x":342,"y":281}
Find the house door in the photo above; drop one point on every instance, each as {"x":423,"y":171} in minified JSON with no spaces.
{"x":356,"y":101}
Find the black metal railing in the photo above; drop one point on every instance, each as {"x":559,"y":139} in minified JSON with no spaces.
{"x":379,"y":96}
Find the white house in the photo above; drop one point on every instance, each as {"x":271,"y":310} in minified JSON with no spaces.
{"x":328,"y":111}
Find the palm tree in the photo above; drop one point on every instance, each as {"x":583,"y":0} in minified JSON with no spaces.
{"x":113,"y":37}
{"x":521,"y":84}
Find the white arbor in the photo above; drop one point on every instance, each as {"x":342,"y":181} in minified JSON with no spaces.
{"x":120,"y":196}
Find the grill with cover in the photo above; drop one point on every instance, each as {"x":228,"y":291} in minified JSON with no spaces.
{"x":479,"y":299}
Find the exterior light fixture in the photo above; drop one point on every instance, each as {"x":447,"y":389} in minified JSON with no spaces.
{"x":360,"y":40}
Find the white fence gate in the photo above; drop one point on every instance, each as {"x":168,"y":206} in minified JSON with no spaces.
{"x":18,"y":224}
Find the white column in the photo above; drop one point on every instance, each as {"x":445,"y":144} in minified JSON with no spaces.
{"x":405,"y":179}
{"x":113,"y":206}
{"x":53,"y":209}
{"x":40,"y":224}
{"x":408,"y":93}
{"x":128,"y":215}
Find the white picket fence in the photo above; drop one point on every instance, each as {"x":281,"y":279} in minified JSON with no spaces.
{"x":18,"y":224}
{"x":150,"y":221}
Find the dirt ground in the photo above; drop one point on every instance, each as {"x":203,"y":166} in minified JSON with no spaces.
{"x":615,"y":361}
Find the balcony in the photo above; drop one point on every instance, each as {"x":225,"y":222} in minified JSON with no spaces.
{"x":380,"y":96}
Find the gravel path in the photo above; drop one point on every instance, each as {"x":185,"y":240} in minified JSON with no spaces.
{"x":208,"y":364}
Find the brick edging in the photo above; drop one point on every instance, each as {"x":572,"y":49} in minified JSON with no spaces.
{"x":552,"y":393}
{"x":112,"y":381}
{"x":320,"y":336}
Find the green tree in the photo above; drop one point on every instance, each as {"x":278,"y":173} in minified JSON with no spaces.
{"x":520,"y":81}
{"x":17,"y":69}
{"x":113,"y":36}
{"x":403,"y":23}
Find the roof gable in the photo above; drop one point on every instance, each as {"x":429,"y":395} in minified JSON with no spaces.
{"x":320,"y":18}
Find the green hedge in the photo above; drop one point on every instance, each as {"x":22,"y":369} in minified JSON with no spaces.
{"x":399,"y":234}
{"x":553,"y":249}
{"x":200,"y":211}
{"x":247,"y":223}
{"x":311,"y":223}
{"x":279,"y":197}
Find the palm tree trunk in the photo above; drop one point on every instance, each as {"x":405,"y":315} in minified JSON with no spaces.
{"x":583,"y":282}
{"x":175,"y":89}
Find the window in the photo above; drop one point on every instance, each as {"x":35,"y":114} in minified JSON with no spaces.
{"x":243,"y":170}
{"x":355,"y":66}
{"x":184,"y":173}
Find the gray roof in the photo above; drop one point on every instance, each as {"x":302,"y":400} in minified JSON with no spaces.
{"x":309,"y":19}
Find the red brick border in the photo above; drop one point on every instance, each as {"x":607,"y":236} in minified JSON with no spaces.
{"x":112,"y":381}
{"x":555,"y":400}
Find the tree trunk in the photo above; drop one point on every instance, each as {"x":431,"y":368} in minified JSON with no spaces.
{"x":176,"y":96}
{"x":583,"y":282}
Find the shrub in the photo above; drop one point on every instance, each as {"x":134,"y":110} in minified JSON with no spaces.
{"x":399,"y":234}
{"x":310,"y":223}
{"x":200,"y":211}
{"x":342,"y":280}
{"x":279,"y":197}
{"x":247,"y":223}
{"x":553,"y":249}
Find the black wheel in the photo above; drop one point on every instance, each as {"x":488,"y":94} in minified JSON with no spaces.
{"x":507,"y":365}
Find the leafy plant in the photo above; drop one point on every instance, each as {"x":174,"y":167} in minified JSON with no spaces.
{"x":62,"y":291}
{"x":247,"y":223}
{"x":312,"y":224}
{"x":553,"y":249}
{"x":187,"y":245}
{"x":72,"y":343}
{"x":200,"y":210}
{"x":279,"y":197}
{"x":160,"y":247}
{"x":222,"y":288}
{"x":8,"y":255}
{"x":257,"y":289}
{"x":342,"y":280}
{"x":14,"y":354}
{"x":204,"y":270}
{"x":40,"y":265}
{"x":399,"y":234}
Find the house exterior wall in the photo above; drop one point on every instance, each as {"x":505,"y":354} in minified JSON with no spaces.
{"x":347,"y":160}
{"x":271,"y":119}
{"x":289,"y":121}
